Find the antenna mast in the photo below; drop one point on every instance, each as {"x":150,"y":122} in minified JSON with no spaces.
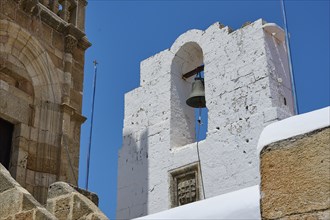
{"x":295,"y":100}
{"x":91,"y":127}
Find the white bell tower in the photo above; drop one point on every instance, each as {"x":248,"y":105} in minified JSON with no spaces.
{"x":247,"y":86}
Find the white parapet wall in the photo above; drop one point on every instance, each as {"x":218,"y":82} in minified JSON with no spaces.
{"x":247,"y":86}
{"x":241,"y":204}
{"x":294,"y":126}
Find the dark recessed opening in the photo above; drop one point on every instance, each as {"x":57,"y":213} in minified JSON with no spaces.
{"x":284,"y":101}
{"x":6,"y":135}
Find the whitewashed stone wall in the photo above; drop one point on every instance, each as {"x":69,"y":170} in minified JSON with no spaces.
{"x":246,"y":81}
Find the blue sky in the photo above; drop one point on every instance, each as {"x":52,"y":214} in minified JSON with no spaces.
{"x":124,"y":33}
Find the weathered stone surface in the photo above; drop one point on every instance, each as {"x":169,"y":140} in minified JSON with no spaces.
{"x":10,"y":202}
{"x":62,"y":208}
{"x":8,"y":218}
{"x":295,"y":180}
{"x":80,"y":208}
{"x":5,"y":184}
{"x":315,"y":215}
{"x":17,"y":203}
{"x":28,"y":215}
{"x":42,"y":214}
{"x":29,"y":202}
{"x":34,"y":45}
{"x":58,"y":189}
{"x":67,"y":203}
{"x":90,"y":195}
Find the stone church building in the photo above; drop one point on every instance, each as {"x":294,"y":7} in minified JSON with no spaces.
{"x":42,"y":54}
{"x":41,"y":80}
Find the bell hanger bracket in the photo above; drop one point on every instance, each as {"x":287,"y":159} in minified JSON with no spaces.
{"x":193,"y":72}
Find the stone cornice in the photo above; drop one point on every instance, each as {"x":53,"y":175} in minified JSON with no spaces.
{"x":56,"y":22}
{"x":73,"y":113}
{"x":84,"y":43}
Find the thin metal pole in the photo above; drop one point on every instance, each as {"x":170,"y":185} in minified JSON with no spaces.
{"x":91,"y":127}
{"x":197,"y":147}
{"x":295,"y":100}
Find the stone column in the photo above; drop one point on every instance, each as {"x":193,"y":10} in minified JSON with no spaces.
{"x":70,"y":45}
{"x":81,"y":10}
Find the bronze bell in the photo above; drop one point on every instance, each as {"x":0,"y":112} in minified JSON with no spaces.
{"x":197,"y":95}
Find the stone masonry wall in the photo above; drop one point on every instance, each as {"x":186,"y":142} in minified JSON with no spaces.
{"x":295,"y":177}
{"x":41,"y":82}
{"x":17,"y":203}
{"x":63,"y":202}
{"x":246,"y":81}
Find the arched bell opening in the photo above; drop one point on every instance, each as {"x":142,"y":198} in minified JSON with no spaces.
{"x":186,"y":66}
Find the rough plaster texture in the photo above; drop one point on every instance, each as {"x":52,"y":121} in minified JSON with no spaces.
{"x":41,"y":78}
{"x":295,"y":177}
{"x":246,"y":80}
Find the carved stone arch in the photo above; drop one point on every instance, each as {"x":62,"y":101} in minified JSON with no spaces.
{"x":13,"y":72}
{"x":20,"y":44}
{"x":36,"y":112}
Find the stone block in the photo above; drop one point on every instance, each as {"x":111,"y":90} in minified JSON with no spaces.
{"x":14,"y":107}
{"x":23,"y":19}
{"x":40,"y":193}
{"x":10,"y":202}
{"x":58,"y":40}
{"x":295,"y":176}
{"x":8,"y":218}
{"x":58,"y":189}
{"x":9,"y":9}
{"x":19,"y":173}
{"x":46,"y":32}
{"x":318,"y":215}
{"x":19,"y":158}
{"x":43,"y":214}
{"x":41,"y":164}
{"x":90,"y":195}
{"x":29,"y":202}
{"x":66,"y":203}
{"x":5,"y":183}
{"x":4,"y":85}
{"x":28,"y":215}
{"x":79,"y":55}
{"x":58,"y":62}
{"x":62,"y":208}
{"x":96,"y":217}
{"x":80,"y":208}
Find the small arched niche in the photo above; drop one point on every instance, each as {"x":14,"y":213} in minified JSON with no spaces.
{"x":183,"y":117}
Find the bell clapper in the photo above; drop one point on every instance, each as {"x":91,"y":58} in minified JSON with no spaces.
{"x":200,"y":117}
